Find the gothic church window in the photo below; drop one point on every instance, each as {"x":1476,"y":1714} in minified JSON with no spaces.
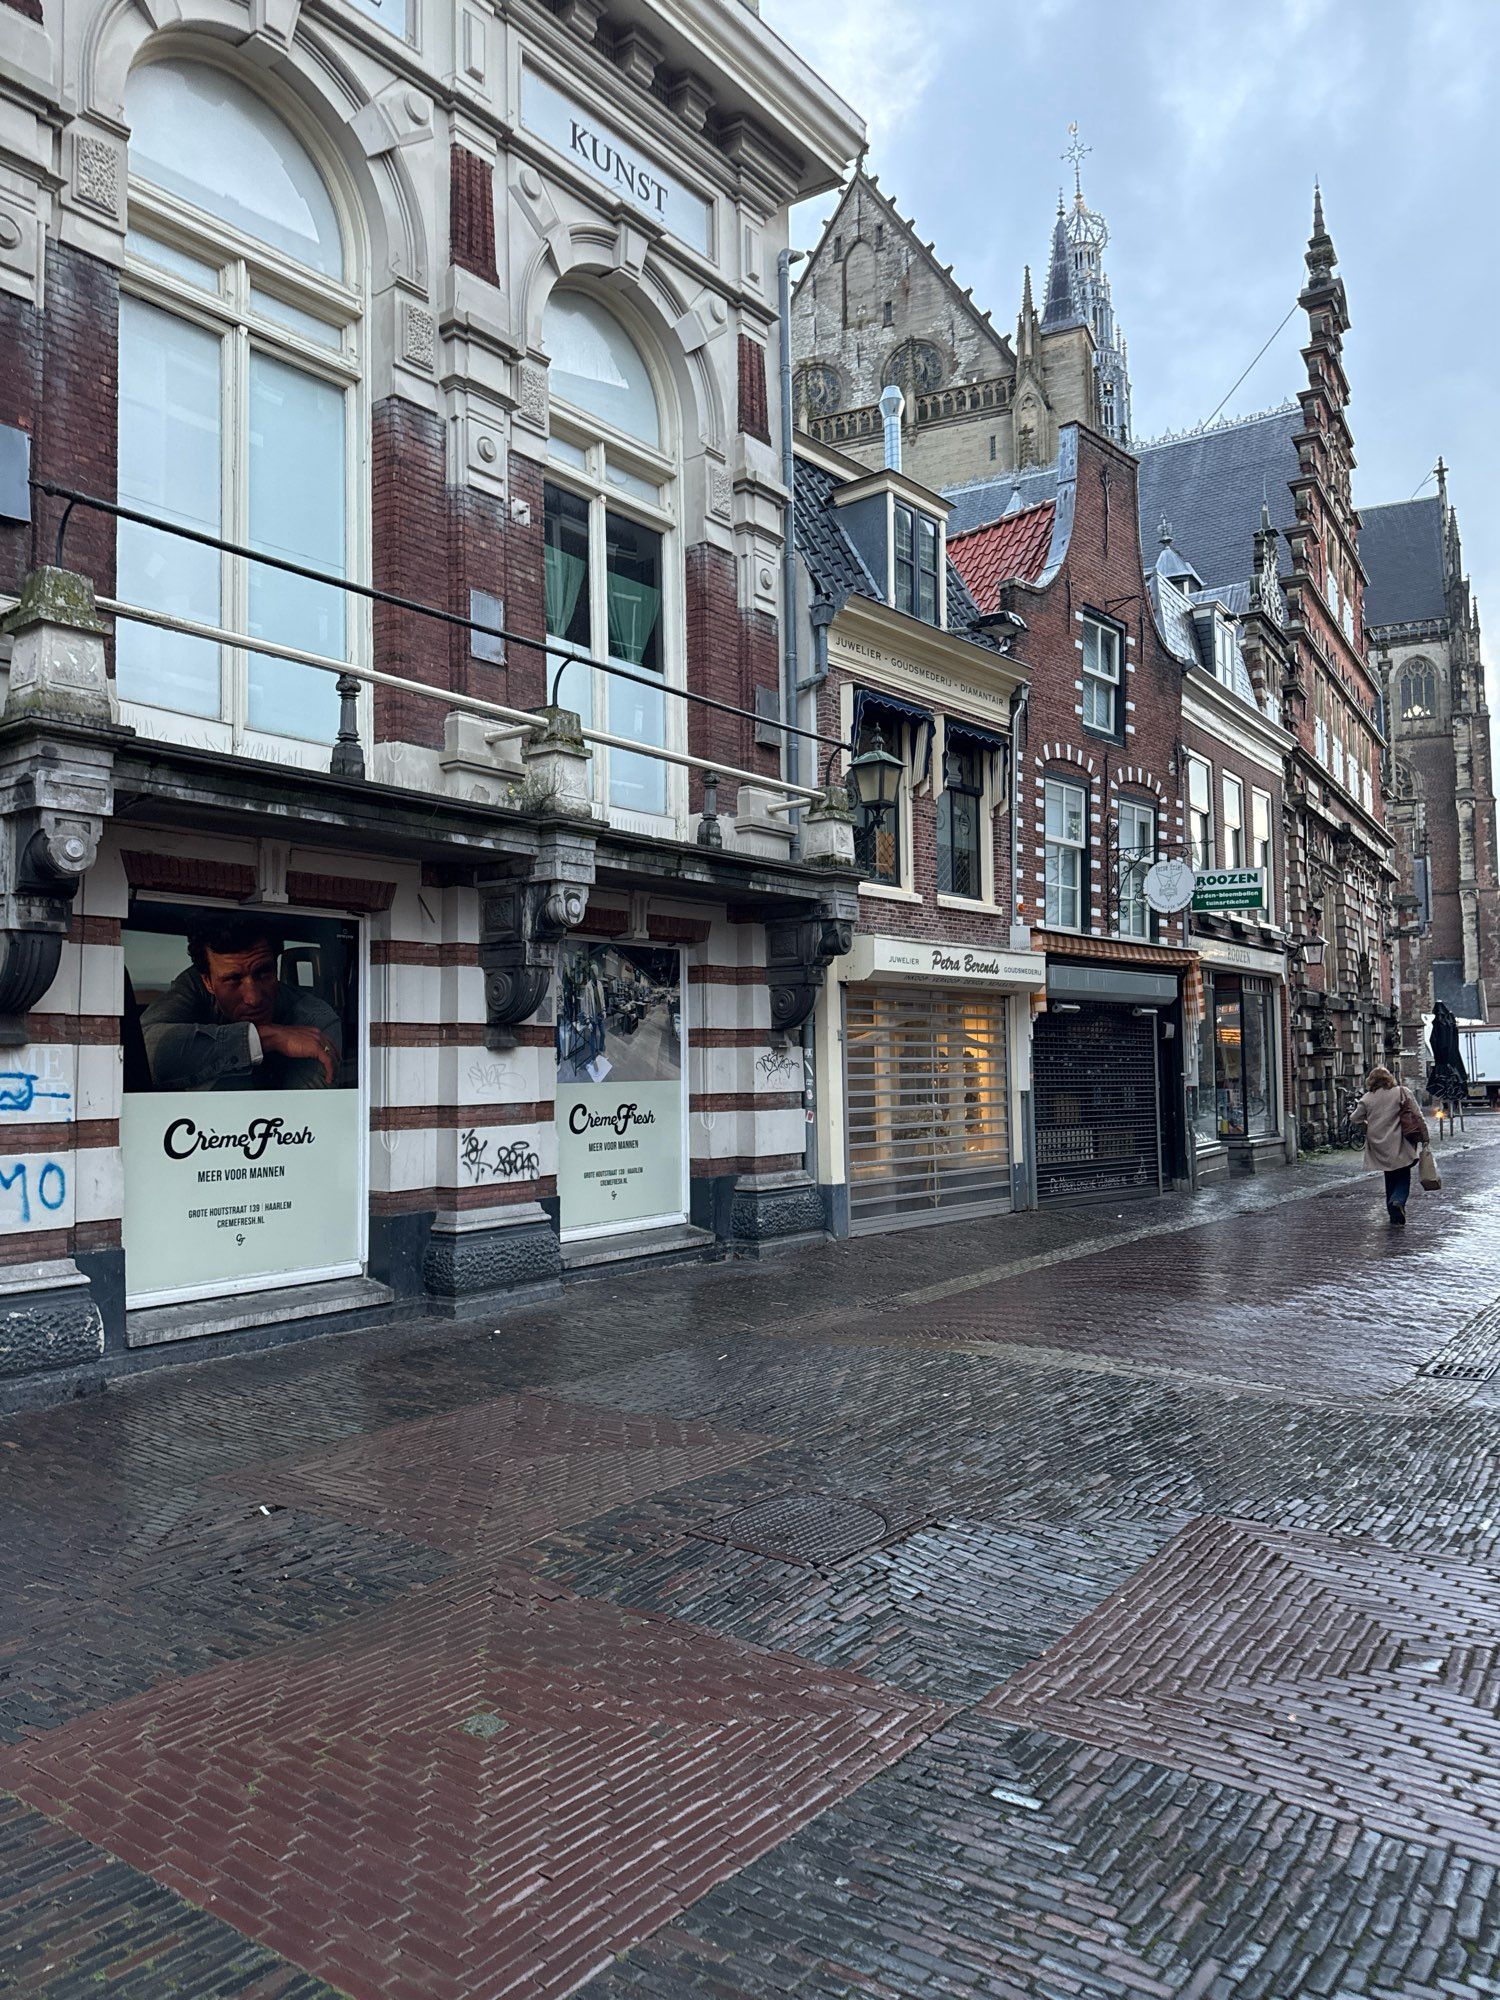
{"x":1418,"y":690}
{"x":915,"y":366}
{"x":819,"y":388}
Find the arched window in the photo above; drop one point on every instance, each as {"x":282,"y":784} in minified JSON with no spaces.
{"x":609,"y":553}
{"x":1418,"y":690}
{"x":239,"y":412}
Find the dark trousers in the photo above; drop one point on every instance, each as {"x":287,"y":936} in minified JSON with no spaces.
{"x":1397,"y":1186}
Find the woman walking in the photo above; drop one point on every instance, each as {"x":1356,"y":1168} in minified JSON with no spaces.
{"x":1395,"y":1132}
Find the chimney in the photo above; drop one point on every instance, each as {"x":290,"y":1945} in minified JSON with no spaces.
{"x":892,"y":408}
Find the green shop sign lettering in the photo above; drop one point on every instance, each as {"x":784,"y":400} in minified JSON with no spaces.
{"x":1230,"y":889}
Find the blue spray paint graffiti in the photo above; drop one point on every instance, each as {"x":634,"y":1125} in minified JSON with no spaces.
{"x":50,"y":1185}
{"x":18,"y":1090}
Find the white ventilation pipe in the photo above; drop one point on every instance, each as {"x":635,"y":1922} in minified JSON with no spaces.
{"x":892,"y":409}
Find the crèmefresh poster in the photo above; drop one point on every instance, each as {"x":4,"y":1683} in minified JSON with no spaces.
{"x":619,"y":1086}
{"x":242,"y":1132}
{"x":233,"y":1185}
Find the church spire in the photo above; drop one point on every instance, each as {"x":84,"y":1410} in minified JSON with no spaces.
{"x":1078,"y":295}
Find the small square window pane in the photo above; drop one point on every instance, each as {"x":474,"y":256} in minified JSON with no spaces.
{"x":307,"y":324}
{"x":167,"y":258}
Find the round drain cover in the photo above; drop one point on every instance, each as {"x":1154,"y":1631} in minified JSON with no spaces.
{"x":803,"y":1527}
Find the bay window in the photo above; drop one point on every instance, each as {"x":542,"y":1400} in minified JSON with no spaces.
{"x":608,"y":550}
{"x":1136,"y":827}
{"x":1065,"y":845}
{"x":1101,"y":677}
{"x":239,"y":416}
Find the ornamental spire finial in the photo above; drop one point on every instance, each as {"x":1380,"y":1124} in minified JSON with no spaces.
{"x":1074,"y":152}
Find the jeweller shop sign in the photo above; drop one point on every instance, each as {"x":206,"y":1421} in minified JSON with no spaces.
{"x":607,"y":156}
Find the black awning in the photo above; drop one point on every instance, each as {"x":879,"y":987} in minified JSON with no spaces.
{"x":868,"y":700}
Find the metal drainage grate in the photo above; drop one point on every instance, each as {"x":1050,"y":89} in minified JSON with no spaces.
{"x":812,"y":1528}
{"x":1473,"y":1354}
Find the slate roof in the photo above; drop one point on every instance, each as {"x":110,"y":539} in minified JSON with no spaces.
{"x":836,"y":567}
{"x":985,"y":500}
{"x":1016,"y":545}
{"x":1210,"y":485}
{"x":1402,"y":548}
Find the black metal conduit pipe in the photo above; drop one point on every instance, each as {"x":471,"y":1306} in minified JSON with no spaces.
{"x":376,"y":596}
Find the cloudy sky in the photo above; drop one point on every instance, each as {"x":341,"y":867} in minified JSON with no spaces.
{"x":1208,"y":125}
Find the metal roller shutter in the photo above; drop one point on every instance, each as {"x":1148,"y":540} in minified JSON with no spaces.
{"x":1098,"y":1109}
{"x":926,"y":1080}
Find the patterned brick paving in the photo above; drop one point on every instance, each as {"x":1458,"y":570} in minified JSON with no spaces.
{"x":485,"y":1481}
{"x":487,"y":1789}
{"x":1333,"y":1674}
{"x":404,"y":1663}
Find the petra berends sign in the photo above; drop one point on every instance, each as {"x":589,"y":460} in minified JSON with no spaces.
{"x":606,"y":155}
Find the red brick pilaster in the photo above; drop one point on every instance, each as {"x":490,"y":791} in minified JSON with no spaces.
{"x":471,"y":213}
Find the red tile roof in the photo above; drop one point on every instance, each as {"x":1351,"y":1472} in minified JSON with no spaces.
{"x":1015,"y":546}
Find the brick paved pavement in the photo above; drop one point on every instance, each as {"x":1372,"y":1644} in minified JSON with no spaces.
{"x":1154,"y":1648}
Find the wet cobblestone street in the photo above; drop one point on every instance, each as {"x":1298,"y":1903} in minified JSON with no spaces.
{"x":1099,"y":1605}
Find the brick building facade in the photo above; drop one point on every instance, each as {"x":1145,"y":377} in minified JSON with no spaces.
{"x":497,"y":293}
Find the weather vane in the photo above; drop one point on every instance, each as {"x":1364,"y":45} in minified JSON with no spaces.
{"x":1074,"y":153}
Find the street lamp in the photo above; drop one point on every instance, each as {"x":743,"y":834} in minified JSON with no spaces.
{"x":877,"y":779}
{"x":1310,"y":950}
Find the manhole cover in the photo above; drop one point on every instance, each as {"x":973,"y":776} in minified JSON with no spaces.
{"x":1473,"y":1354}
{"x":803,"y":1527}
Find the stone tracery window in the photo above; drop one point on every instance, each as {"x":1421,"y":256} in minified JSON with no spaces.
{"x":1418,"y":690}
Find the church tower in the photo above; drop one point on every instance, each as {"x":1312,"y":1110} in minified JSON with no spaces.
{"x":1078,"y":295}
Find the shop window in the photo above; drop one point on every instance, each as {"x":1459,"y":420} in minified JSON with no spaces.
{"x":1101,"y":677}
{"x":1237,"y":1056}
{"x":961,"y":820}
{"x":1065,"y":861}
{"x":1200,"y":812}
{"x":1234,"y":822}
{"x":609,"y":549}
{"x":1263,"y":849}
{"x":916,"y":564}
{"x":242,"y":1133}
{"x":1136,"y":834}
{"x":879,"y":847}
{"x":239,"y":413}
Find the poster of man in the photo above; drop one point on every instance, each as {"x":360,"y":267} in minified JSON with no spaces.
{"x":237,"y":1000}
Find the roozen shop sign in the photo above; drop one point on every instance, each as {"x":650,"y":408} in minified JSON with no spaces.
{"x":1230,"y":889}
{"x":607,"y":156}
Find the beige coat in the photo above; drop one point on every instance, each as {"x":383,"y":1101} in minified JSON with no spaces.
{"x":1386,"y":1146}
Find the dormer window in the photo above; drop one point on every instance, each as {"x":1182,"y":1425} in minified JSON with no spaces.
{"x":916,"y":564}
{"x":1223,"y":651}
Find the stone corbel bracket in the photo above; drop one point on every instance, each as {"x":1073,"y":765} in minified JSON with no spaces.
{"x":799,"y":951}
{"x":56,"y":783}
{"x":522,"y":922}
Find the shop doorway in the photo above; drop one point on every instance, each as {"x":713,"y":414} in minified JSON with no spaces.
{"x":926,"y":1085}
{"x":1097,"y":1091}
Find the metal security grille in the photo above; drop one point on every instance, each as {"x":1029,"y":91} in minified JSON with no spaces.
{"x":1098,"y":1111}
{"x":927,"y":1103}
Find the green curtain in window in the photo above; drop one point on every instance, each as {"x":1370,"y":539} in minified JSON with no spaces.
{"x":562,"y":579}
{"x":633,"y":611}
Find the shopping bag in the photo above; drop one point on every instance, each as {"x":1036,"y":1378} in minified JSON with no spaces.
{"x":1427,"y":1172}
